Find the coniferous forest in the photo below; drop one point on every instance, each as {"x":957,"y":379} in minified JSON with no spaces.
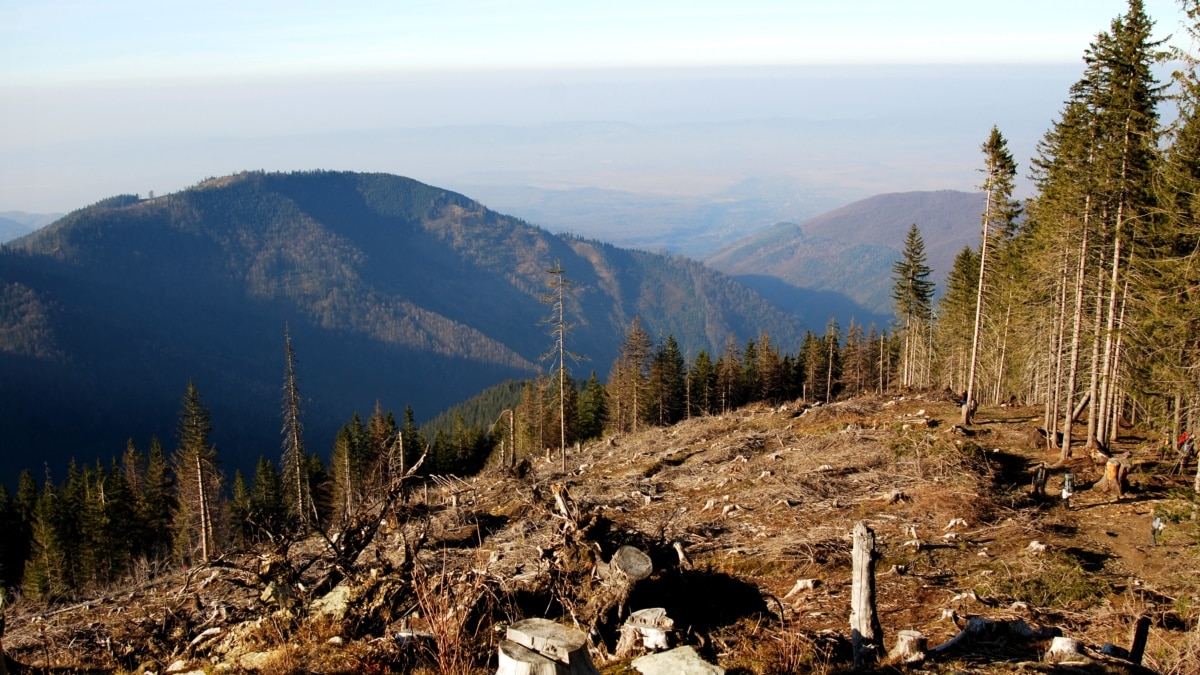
{"x":1082,"y":300}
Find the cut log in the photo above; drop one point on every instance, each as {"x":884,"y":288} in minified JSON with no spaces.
{"x":910,"y":647}
{"x":555,"y":642}
{"x":865,"y":631}
{"x":678,"y":661}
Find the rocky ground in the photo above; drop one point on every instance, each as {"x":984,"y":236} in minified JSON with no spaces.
{"x":746,"y":519}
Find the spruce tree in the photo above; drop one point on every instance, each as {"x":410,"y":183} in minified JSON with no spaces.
{"x":702,"y":379}
{"x":593,"y":409}
{"x":665,"y":389}
{"x":195,"y":527}
{"x":627,"y":380}
{"x":912,"y":293}
{"x":955,"y":320}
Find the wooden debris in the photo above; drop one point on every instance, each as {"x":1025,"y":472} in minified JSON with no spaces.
{"x":802,"y":585}
{"x":684,"y":562}
{"x":979,"y":628}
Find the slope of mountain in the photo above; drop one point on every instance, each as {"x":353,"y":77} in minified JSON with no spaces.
{"x":833,"y":262}
{"x":15,"y":224}
{"x":394,"y":291}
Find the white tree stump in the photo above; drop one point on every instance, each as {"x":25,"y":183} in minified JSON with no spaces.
{"x":646,"y":629}
{"x":517,"y":660}
{"x":1065,"y":649}
{"x":560,"y":644}
{"x":910,"y":647}
{"x":865,"y":631}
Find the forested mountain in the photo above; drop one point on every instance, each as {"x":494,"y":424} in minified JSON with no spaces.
{"x":393,"y":291}
{"x":826,"y":265}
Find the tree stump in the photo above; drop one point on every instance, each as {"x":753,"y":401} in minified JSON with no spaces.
{"x":628,"y":566}
{"x":645,"y":629}
{"x":1115,"y":470}
{"x":866,"y":633}
{"x":517,"y":660}
{"x":910,"y":647}
{"x":1065,"y":649}
{"x":565,"y":647}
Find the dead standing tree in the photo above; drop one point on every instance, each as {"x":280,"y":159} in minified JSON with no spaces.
{"x":865,"y":631}
{"x":557,"y":299}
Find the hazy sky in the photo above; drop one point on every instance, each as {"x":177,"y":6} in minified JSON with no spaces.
{"x":44,"y":41}
{"x":129,"y":95}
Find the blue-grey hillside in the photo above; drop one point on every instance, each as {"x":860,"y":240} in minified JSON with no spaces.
{"x":840,"y":264}
{"x":394,"y":291}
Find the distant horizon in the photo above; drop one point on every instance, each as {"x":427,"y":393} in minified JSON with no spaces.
{"x":677,"y":99}
{"x":438,"y":130}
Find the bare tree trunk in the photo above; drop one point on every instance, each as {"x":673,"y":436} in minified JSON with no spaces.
{"x":1108,"y":366}
{"x":1076,"y":331}
{"x":998,"y":391}
{"x":1094,"y":373}
{"x":866,"y":633}
{"x":205,"y":519}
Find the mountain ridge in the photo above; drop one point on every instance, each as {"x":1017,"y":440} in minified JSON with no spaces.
{"x":851,"y":249}
{"x":393,"y":290}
